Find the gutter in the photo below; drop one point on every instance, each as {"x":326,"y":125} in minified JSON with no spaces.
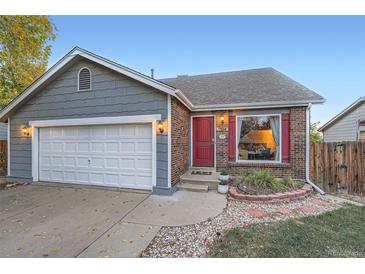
{"x":307,"y":152}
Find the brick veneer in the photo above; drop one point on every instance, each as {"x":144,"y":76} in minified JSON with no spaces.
{"x":221,"y":143}
{"x":296,"y":166}
{"x":180,"y":120}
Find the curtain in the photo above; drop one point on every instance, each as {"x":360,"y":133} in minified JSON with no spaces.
{"x":275,"y":127}
{"x":239,"y":128}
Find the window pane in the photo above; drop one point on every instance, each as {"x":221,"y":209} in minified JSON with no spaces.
{"x":259,"y":138}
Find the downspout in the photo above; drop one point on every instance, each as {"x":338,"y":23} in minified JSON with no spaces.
{"x":307,"y":151}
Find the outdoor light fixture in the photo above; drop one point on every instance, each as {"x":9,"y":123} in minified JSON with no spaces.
{"x":222,"y":119}
{"x":160,"y":126}
{"x":25,"y":131}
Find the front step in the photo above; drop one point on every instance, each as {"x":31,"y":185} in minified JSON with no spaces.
{"x":210,"y":181}
{"x":192,"y":187}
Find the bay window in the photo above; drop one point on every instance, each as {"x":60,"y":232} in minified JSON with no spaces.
{"x":259,"y":138}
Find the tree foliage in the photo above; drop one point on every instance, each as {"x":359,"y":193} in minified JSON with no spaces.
{"x":24,"y":51}
{"x":315,"y":135}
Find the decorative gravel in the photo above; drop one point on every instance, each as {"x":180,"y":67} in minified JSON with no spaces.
{"x":192,"y":240}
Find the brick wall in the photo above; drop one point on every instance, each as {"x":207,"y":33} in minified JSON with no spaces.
{"x":180,"y":120}
{"x":296,"y":166}
{"x":221,"y":143}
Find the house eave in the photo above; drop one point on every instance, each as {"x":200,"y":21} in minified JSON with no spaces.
{"x":5,"y":113}
{"x":277,"y":104}
{"x":342,"y":113}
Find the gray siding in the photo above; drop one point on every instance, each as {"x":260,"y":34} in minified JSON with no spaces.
{"x":112,"y":95}
{"x":345,"y":128}
{"x":3,"y":131}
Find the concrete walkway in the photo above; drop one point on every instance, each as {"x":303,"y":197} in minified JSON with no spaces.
{"x":49,"y":221}
{"x":183,"y":208}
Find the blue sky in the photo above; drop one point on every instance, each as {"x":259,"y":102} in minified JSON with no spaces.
{"x":325,"y":53}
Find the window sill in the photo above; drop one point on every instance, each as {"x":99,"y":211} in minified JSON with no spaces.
{"x":253,"y":164}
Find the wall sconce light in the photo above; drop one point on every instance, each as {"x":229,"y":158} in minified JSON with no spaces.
{"x":160,"y":127}
{"x":222,"y":119}
{"x":25,"y":131}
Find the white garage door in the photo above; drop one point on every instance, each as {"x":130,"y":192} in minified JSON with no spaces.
{"x":115,"y":155}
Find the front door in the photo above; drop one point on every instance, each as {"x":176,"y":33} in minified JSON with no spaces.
{"x":203,"y":141}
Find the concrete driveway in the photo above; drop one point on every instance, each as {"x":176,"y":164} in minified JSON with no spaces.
{"x":56,"y":221}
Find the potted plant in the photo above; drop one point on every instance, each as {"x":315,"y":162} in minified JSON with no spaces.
{"x":224,"y":176}
{"x":223,"y":187}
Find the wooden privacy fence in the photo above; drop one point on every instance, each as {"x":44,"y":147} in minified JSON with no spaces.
{"x":339,"y":167}
{"x":3,"y":157}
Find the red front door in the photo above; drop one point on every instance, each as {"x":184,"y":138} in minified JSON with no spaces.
{"x":203,"y":141}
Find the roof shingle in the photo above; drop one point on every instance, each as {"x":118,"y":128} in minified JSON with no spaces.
{"x":264,"y":85}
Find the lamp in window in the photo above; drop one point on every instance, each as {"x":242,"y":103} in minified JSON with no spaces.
{"x":160,"y":127}
{"x":25,"y":131}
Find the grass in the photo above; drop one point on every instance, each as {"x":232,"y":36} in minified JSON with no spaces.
{"x":339,"y":233}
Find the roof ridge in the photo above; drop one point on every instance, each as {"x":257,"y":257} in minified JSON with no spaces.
{"x":215,"y":73}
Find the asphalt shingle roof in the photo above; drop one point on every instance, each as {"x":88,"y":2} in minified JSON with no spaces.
{"x":245,"y":86}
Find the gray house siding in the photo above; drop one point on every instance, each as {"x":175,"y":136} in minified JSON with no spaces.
{"x":112,"y":95}
{"x":3,"y":131}
{"x":345,"y":128}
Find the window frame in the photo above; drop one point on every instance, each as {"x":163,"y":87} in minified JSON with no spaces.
{"x":78,"y":80}
{"x":259,"y":161}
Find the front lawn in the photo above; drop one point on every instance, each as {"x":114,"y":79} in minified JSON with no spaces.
{"x":339,"y":233}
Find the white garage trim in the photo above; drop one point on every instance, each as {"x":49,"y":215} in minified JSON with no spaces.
{"x":169,"y":140}
{"x":97,"y":121}
{"x":93,"y":121}
{"x":8,"y":144}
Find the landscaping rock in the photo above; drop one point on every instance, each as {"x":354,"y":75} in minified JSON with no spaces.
{"x":194,"y":240}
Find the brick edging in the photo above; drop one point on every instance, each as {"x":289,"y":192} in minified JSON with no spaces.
{"x":302,"y":193}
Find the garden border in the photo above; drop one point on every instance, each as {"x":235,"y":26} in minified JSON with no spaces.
{"x":299,"y":194}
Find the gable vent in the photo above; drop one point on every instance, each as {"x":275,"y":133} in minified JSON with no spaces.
{"x":84,"y":79}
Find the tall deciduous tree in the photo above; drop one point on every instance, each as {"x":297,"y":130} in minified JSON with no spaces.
{"x":24,"y":51}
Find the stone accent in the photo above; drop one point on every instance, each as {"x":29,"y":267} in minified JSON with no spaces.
{"x":302,"y":193}
{"x":296,"y":166}
{"x":180,"y":121}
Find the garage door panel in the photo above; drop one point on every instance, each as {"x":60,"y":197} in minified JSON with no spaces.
{"x":112,"y":147}
{"x":116,"y":155}
{"x":127,"y":147}
{"x":70,"y":146}
{"x":82,"y":147}
{"x":83,"y":132}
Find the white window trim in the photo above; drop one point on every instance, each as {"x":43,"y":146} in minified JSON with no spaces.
{"x":259,"y":161}
{"x":78,"y":80}
{"x":191,"y":138}
{"x":94,"y":121}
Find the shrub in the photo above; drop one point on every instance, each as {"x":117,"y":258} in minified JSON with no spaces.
{"x":263,"y":180}
{"x":225,"y":172}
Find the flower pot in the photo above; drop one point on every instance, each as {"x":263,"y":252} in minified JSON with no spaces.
{"x":224,"y":178}
{"x":223,"y":189}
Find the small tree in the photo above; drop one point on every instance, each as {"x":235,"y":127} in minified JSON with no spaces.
{"x":315,"y":135}
{"x":24,"y":52}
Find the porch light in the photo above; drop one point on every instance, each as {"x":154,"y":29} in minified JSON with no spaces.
{"x":160,"y":127}
{"x":25,"y":131}
{"x":222,"y":119}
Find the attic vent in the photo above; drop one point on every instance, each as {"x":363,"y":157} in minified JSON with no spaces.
{"x":84,"y":79}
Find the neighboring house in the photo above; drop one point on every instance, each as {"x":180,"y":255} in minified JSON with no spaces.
{"x":88,"y":120}
{"x":348,"y":125}
{"x":3,"y":131}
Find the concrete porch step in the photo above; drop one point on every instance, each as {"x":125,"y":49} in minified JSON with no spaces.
{"x":192,"y":187}
{"x":210,"y":181}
